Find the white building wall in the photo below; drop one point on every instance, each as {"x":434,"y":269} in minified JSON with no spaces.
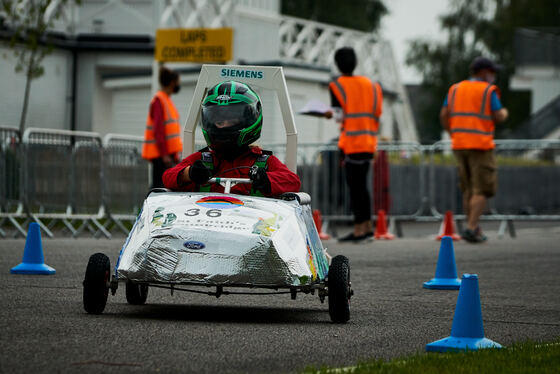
{"x":107,"y":16}
{"x":49,"y":99}
{"x":543,"y":82}
{"x":96,"y":103}
{"x":255,"y":36}
{"x":543,"y":91}
{"x":130,"y":99}
{"x":311,"y":129}
{"x":119,"y":103}
{"x":131,"y":105}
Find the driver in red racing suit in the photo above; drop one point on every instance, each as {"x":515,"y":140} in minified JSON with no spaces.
{"x":231,"y":121}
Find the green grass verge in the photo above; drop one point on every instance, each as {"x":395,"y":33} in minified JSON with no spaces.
{"x":527,"y":357}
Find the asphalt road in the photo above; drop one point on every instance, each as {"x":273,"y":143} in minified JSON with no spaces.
{"x":45,"y":329}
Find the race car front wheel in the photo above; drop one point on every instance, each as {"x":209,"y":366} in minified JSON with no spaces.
{"x":339,"y":289}
{"x":136,"y":294}
{"x":96,"y":283}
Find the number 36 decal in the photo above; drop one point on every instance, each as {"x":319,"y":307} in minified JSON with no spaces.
{"x":213,"y":213}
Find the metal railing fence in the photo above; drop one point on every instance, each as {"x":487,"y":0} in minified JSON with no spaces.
{"x":63,"y":179}
{"x":78,"y":181}
{"x":126,"y":179}
{"x":11,"y":206}
{"x":10,"y":181}
{"x":528,"y":181}
{"x":395,"y":180}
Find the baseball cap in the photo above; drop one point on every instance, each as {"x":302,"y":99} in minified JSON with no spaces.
{"x":480,"y":63}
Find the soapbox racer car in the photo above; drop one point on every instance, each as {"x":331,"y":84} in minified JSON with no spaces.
{"x":223,"y":243}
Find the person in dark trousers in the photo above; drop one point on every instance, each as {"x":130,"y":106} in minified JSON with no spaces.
{"x":231,"y":121}
{"x":162,"y":137}
{"x":357,"y":103}
{"x":470,"y":111}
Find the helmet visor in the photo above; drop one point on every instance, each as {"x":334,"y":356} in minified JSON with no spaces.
{"x":228,"y":117}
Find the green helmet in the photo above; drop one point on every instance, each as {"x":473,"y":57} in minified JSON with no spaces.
{"x":231,"y":117}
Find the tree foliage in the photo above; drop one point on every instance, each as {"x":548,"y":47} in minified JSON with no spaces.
{"x":474,"y":28}
{"x":363,"y":15}
{"x":29,"y":39}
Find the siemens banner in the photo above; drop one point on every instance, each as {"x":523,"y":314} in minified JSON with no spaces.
{"x":194,"y":45}
{"x":238,"y":73}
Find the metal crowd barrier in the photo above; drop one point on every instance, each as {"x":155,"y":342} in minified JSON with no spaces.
{"x":127,"y":179}
{"x":63,"y":179}
{"x":70,"y":178}
{"x":528,"y":182}
{"x":11,"y":204}
{"x":395,"y":180}
{"x":77,"y":181}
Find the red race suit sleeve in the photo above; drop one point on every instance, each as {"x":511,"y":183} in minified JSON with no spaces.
{"x":281,"y":178}
{"x":170,"y":175}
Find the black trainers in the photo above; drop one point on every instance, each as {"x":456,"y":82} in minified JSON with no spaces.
{"x":475,"y":236}
{"x":353,"y":238}
{"x":478,"y":232}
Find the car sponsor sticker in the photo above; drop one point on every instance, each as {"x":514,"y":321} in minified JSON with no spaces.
{"x":193,"y":244}
{"x":220,"y":202}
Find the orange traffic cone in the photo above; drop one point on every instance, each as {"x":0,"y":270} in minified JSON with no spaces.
{"x":381,"y":227}
{"x":448,"y":227}
{"x":319,"y":225}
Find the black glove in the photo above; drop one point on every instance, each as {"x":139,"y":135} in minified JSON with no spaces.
{"x":199,"y":173}
{"x":260,"y":179}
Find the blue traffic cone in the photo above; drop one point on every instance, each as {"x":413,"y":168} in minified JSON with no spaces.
{"x":33,"y":261}
{"x":467,"y":332}
{"x":446,"y":271}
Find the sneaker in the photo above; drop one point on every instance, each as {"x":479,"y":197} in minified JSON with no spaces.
{"x":473,"y":236}
{"x":478,"y":231}
{"x":352,"y":238}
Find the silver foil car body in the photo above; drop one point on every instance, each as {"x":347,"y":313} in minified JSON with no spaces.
{"x":223,"y":239}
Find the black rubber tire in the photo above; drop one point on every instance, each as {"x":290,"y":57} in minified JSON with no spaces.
{"x":136,"y":294}
{"x":339,"y":289}
{"x":96,"y":283}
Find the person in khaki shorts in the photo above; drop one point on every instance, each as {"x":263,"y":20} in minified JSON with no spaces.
{"x":470,"y":111}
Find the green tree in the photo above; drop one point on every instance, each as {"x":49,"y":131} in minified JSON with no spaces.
{"x":474,"y":28}
{"x":29,"y":38}
{"x":363,"y":15}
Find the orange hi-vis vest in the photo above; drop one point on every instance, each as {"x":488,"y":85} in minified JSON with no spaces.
{"x":173,"y":139}
{"x":470,"y":115}
{"x":361,"y":101}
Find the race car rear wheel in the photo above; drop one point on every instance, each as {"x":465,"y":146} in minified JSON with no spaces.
{"x":96,"y":283}
{"x":339,"y":289}
{"x":136,"y":294}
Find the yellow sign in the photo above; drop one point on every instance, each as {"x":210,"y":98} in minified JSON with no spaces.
{"x":194,"y":45}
